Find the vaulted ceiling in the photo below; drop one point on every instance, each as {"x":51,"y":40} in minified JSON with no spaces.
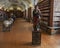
{"x":20,"y":4}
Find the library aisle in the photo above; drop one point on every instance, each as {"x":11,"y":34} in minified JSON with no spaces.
{"x":20,"y":36}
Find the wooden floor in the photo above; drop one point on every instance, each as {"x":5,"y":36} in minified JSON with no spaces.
{"x":20,"y":36}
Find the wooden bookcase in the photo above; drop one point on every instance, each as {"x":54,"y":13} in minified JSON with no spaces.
{"x":50,"y":19}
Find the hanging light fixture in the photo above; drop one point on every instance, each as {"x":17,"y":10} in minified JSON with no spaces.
{"x":11,"y":8}
{"x":18,"y":8}
{"x":31,"y":5}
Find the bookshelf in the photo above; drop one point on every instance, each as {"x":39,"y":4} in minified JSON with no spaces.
{"x":50,"y":20}
{"x":44,"y":6}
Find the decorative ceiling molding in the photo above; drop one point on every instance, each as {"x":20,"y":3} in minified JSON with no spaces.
{"x":29,"y":1}
{"x":23,"y":4}
{"x":13,"y":1}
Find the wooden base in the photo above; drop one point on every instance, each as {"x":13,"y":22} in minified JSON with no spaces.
{"x":36,"y":38}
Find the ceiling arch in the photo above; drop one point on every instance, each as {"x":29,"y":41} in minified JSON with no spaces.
{"x":23,"y":4}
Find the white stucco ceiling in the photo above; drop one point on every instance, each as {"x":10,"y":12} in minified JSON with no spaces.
{"x":23,"y":4}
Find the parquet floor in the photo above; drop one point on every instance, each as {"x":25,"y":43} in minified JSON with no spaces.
{"x":20,"y":36}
